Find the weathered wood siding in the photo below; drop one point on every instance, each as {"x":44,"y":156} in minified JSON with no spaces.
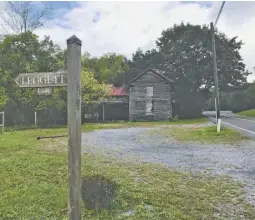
{"x":161,"y":98}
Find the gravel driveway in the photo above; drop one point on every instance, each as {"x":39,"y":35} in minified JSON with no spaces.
{"x":151,"y":145}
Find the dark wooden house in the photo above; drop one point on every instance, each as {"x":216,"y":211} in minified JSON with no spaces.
{"x":150,"y":97}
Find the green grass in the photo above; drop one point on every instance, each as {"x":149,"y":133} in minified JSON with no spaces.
{"x":93,"y":126}
{"x":207,"y":135}
{"x":118,"y":124}
{"x":34,"y":185}
{"x":248,"y":113}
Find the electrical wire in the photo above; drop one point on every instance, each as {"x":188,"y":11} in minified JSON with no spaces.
{"x":216,"y":21}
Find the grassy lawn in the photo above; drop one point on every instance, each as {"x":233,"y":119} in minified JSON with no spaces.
{"x":111,"y":125}
{"x":207,"y":135}
{"x":248,"y":113}
{"x":34,"y":185}
{"x":119,"y":124}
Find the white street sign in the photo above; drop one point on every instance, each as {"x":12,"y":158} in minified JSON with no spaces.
{"x":36,"y":80}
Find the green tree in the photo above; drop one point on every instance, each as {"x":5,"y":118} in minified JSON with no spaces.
{"x":106,"y":68}
{"x":187,"y":59}
{"x":91,"y":89}
{"x":139,"y":63}
{"x":187,"y":54}
{"x":49,"y":56}
{"x":25,"y":53}
{"x":3,"y":98}
{"x":239,"y":100}
{"x":184,"y":54}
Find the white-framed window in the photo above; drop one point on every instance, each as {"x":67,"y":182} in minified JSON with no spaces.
{"x":149,"y":103}
{"x":149,"y":107}
{"x":149,"y":91}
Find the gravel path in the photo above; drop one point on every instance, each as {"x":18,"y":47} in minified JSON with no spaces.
{"x":151,"y":145}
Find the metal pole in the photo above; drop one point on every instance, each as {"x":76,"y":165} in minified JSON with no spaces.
{"x":215,"y":78}
{"x":74,"y":127}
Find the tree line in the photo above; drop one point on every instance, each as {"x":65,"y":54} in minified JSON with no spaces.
{"x":183,"y":53}
{"x":25,"y":53}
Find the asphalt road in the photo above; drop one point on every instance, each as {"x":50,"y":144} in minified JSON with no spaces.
{"x":244,"y":125}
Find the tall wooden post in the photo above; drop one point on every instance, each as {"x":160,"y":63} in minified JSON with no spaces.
{"x":74,"y":127}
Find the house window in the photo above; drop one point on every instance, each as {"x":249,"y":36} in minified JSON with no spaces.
{"x":149,"y":91}
{"x":149,"y":101}
{"x":149,"y":107}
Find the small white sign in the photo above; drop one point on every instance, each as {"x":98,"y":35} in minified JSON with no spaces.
{"x":44,"y":91}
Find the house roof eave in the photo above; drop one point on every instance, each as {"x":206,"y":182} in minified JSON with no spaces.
{"x":130,"y":83}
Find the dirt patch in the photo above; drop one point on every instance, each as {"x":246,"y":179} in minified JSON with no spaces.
{"x":98,"y":193}
{"x":56,"y":145}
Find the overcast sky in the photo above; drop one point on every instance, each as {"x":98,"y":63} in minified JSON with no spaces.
{"x":122,"y":27}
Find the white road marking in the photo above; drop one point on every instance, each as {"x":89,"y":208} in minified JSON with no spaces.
{"x":235,"y":117}
{"x":235,"y":126}
{"x":239,"y":118}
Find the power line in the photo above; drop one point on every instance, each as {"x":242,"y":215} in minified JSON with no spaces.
{"x":216,"y":21}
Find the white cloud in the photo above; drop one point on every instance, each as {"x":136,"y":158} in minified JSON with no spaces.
{"x":238,"y":19}
{"x":2,"y":5}
{"x":122,"y":27}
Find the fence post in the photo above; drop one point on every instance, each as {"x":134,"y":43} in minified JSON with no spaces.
{"x":103,"y":111}
{"x":74,"y":127}
{"x":35,"y":118}
{"x":3,"y":123}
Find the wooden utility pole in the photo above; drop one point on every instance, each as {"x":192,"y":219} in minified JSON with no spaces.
{"x":74,"y":127}
{"x":215,"y":78}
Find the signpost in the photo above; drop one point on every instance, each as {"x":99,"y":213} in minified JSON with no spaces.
{"x":71,"y":79}
{"x":37,"y":80}
{"x":74,"y":126}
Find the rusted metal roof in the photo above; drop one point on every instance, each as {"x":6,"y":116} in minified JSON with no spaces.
{"x":118,"y":90}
